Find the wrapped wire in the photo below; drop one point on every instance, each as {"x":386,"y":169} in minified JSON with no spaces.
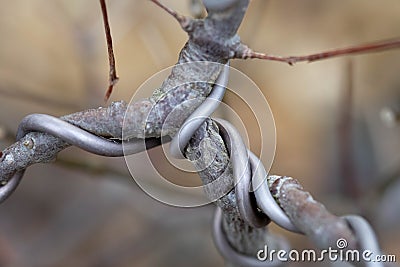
{"x":256,"y":208}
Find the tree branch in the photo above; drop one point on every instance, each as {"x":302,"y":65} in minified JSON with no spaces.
{"x":244,"y":52}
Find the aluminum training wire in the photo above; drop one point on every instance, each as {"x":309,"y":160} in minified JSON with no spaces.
{"x":72,"y":135}
{"x":247,"y":170}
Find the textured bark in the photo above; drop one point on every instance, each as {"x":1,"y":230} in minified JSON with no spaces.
{"x":308,"y":215}
{"x":242,"y":237}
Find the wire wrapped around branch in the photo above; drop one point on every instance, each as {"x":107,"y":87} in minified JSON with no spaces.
{"x":212,"y":39}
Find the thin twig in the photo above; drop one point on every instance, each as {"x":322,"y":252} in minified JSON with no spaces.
{"x":113,"y":78}
{"x":364,"y":48}
{"x":183,"y":20}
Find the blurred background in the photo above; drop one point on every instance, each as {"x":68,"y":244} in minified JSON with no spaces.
{"x":337,"y":124}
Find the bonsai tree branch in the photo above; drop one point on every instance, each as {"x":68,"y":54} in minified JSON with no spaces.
{"x":245,"y":52}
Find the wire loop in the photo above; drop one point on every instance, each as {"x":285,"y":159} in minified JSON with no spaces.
{"x":76,"y":136}
{"x":242,"y":173}
{"x":366,"y":238}
{"x":232,"y":256}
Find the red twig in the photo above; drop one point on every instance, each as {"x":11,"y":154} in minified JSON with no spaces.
{"x":113,"y":78}
{"x":364,"y":48}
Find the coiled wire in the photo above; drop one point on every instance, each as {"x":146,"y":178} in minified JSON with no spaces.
{"x":247,"y":170}
{"x":72,"y":135}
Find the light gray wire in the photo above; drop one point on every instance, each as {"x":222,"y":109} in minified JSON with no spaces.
{"x":76,"y":136}
{"x":7,"y":189}
{"x":242,"y":173}
{"x":85,"y":140}
{"x":231,"y":255}
{"x":265,"y":200}
{"x":366,"y":238}
{"x":197,"y":118}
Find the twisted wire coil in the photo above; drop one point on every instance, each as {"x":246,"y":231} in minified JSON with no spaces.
{"x":248,"y":170}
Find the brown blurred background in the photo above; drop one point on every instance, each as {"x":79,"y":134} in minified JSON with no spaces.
{"x":85,"y":210}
